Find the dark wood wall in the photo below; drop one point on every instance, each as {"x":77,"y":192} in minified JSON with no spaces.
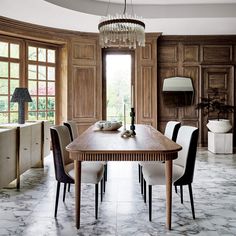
{"x":210,"y":62}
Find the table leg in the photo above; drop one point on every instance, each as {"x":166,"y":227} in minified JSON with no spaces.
{"x":77,"y":192}
{"x":168,"y":173}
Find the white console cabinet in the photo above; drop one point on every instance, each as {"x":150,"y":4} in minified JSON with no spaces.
{"x":22,"y":146}
{"x":220,"y":142}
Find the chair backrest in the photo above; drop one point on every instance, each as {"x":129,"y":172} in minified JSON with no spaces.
{"x":72,"y":128}
{"x":60,"y":137}
{"x":187,"y":138}
{"x":171,"y":130}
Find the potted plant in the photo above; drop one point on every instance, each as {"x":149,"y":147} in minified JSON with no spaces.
{"x":217,"y":105}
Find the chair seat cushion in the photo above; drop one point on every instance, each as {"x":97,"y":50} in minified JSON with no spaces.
{"x":92,"y":172}
{"x":154,"y":173}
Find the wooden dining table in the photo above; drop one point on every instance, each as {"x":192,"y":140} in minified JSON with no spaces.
{"x":147,"y":145}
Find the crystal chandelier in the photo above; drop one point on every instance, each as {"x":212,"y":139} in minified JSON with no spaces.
{"x":122,"y":30}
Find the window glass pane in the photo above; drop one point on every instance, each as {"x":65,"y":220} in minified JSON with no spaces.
{"x":51,"y":103}
{"x":14,"y":50}
{"x":42,"y":103}
{"x":3,"y":118}
{"x":51,"y":116}
{"x":42,"y":88}
{"x":51,"y":88}
{"x":13,"y":117}
{"x":32,"y":106}
{"x":13,"y":106}
{"x":32,"y":72}
{"x":42,"y":72}
{"x":51,"y":73}
{"x":42,"y":54}
{"x":3,"y":49}
{"x":32,"y":86}
{"x":3,"y":69}
{"x":13,"y":84}
{"x":51,"y":56}
{"x":3,"y":103}
{"x":3,"y":86}
{"x":14,"y":70}
{"x":32,"y":116}
{"x":32,"y":53}
{"x":42,"y":116}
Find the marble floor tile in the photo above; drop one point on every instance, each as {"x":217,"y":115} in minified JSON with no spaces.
{"x":30,"y":211}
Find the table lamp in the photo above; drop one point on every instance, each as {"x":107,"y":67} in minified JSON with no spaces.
{"x":21,"y":95}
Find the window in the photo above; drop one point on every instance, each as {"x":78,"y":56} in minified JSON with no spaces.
{"x":32,"y":65}
{"x":118,"y":67}
{"x":10,"y":65}
{"x":41,"y":63}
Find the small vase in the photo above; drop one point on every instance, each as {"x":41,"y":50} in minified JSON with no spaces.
{"x":219,"y":126}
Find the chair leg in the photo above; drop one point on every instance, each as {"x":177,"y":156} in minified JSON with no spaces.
{"x":105,"y":173}
{"x":144,"y":190}
{"x":101,"y":185}
{"x":176,"y":189}
{"x":150,"y":201}
{"x":139,"y":173}
{"x":68,"y":187}
{"x":104,"y":184}
{"x":141,"y":180}
{"x":96,"y":201}
{"x":191,"y":199}
{"x":57,"y":198}
{"x":64,"y":192}
{"x":181,"y":193}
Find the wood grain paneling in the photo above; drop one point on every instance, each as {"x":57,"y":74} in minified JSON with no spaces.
{"x":210,"y":62}
{"x":216,"y":53}
{"x":190,"y":53}
{"x":189,"y":112}
{"x":147,"y":52}
{"x":84,"y":91}
{"x":146,"y":88}
{"x":84,"y":51}
{"x":146,"y":82}
{"x":168,"y":53}
{"x":86,"y":82}
{"x":222,"y":79}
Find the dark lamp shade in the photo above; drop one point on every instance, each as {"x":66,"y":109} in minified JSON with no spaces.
{"x":21,"y":95}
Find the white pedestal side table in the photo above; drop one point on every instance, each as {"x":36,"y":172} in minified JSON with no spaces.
{"x":220,"y":142}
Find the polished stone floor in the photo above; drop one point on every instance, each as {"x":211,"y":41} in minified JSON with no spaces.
{"x":29,"y":211}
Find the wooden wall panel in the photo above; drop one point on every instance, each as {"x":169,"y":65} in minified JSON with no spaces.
{"x":217,"y":53}
{"x":146,"y":82}
{"x":146,"y":87}
{"x":222,"y":79}
{"x":209,"y":62}
{"x":86,"y":84}
{"x":84,"y":91}
{"x":190,"y":53}
{"x":168,"y":53}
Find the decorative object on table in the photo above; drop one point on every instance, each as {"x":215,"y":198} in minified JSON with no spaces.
{"x":108,"y":125}
{"x":124,"y":117}
{"x":132,"y":126}
{"x":21,"y":95}
{"x":217,"y":105}
{"x":122,"y":30}
{"x":127,"y":134}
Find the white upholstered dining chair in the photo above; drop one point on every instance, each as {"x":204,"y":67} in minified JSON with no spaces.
{"x":171,"y":131}
{"x":74,"y":134}
{"x":183,"y":166}
{"x":91,"y":172}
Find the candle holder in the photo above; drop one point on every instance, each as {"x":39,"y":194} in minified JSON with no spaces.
{"x":132,"y":126}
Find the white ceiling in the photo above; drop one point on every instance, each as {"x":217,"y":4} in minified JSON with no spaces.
{"x":171,"y":17}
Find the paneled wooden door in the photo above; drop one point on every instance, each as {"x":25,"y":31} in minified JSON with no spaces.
{"x":220,"y":78}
